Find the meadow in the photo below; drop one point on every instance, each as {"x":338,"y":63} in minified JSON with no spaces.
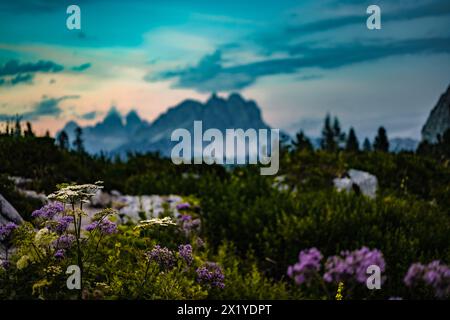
{"x":236,"y":234}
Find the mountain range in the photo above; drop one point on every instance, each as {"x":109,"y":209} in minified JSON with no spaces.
{"x":117,"y":134}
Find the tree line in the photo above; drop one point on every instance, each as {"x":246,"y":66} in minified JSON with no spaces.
{"x":333,"y":139}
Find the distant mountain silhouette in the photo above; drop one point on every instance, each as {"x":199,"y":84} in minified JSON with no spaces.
{"x":402,"y":144}
{"x":115,"y":135}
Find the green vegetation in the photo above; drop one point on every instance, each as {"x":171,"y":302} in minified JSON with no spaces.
{"x":253,"y":226}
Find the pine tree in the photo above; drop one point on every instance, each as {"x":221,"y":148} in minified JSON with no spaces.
{"x":332,"y":135}
{"x":18,"y":127}
{"x":29,"y":130}
{"x":367,"y":146}
{"x":328,"y":143}
{"x":7,"y":129}
{"x":63,"y":140}
{"x":352,"y":144}
{"x":381,"y":142}
{"x":339,"y":136}
{"x":302,"y":142}
{"x":79,"y":143}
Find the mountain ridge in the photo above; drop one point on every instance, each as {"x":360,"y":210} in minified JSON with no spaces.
{"x":117,"y":134}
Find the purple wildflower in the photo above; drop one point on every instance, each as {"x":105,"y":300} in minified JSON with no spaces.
{"x":7,"y":230}
{"x":105,"y":226}
{"x":353,"y":265}
{"x":414,"y":275}
{"x":48,"y":211}
{"x":211,"y":274}
{"x":59,"y":254}
{"x":184,"y":217}
{"x":307,"y":266}
{"x":162,"y":256}
{"x":435,"y":275}
{"x":62,"y":224}
{"x":185,"y":251}
{"x":5,"y":264}
{"x":183,"y":206}
{"x":64,"y":242}
{"x":190,"y":225}
{"x":200,"y":243}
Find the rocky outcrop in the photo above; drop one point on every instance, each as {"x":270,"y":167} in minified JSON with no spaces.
{"x":8,"y":213}
{"x":133,"y":208}
{"x":359,"y":181}
{"x":439,"y":119}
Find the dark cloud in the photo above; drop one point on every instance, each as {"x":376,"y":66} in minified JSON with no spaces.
{"x":26,"y":78}
{"x":431,"y":9}
{"x":45,"y":107}
{"x":14,"y":67}
{"x":89,"y":115}
{"x":20,"y":78}
{"x":82,"y":67}
{"x":36,"y":6}
{"x":210,"y":74}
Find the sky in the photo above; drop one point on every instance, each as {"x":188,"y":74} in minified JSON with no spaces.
{"x":299,"y":60}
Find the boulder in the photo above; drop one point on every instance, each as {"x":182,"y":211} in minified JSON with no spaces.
{"x":31,"y":194}
{"x":101,"y":199}
{"x":8,"y":213}
{"x":363,"y":181}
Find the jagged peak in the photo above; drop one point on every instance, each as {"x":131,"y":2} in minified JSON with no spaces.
{"x":214,"y":98}
{"x":236,"y":97}
{"x":113,"y":116}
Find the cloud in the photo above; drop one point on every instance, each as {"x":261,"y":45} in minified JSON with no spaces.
{"x":20,"y":78}
{"x":89,"y":115}
{"x":26,"y":78}
{"x":210,"y":74}
{"x":45,"y":107}
{"x":35,"y":6}
{"x":430,"y":9}
{"x":82,"y":67}
{"x":13,"y":67}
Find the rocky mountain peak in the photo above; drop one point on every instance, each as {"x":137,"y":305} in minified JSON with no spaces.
{"x":132,"y":119}
{"x":439,"y":119}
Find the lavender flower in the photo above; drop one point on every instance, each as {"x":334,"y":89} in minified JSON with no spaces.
{"x":162,"y":256}
{"x":435,"y":275}
{"x":183,"y":206}
{"x":7,"y":230}
{"x":184,"y":217}
{"x":353,"y":265}
{"x":48,"y":211}
{"x":104,"y":226}
{"x":59,"y":254}
{"x":185,"y":252}
{"x":189,"y":225}
{"x":200,"y":243}
{"x":211,"y":274}
{"x":62,"y":224}
{"x":5,"y":264}
{"x":64,"y":242}
{"x":307,"y":266}
{"x":414,"y":275}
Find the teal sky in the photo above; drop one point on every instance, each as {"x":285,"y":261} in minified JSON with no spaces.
{"x":297,"y":59}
